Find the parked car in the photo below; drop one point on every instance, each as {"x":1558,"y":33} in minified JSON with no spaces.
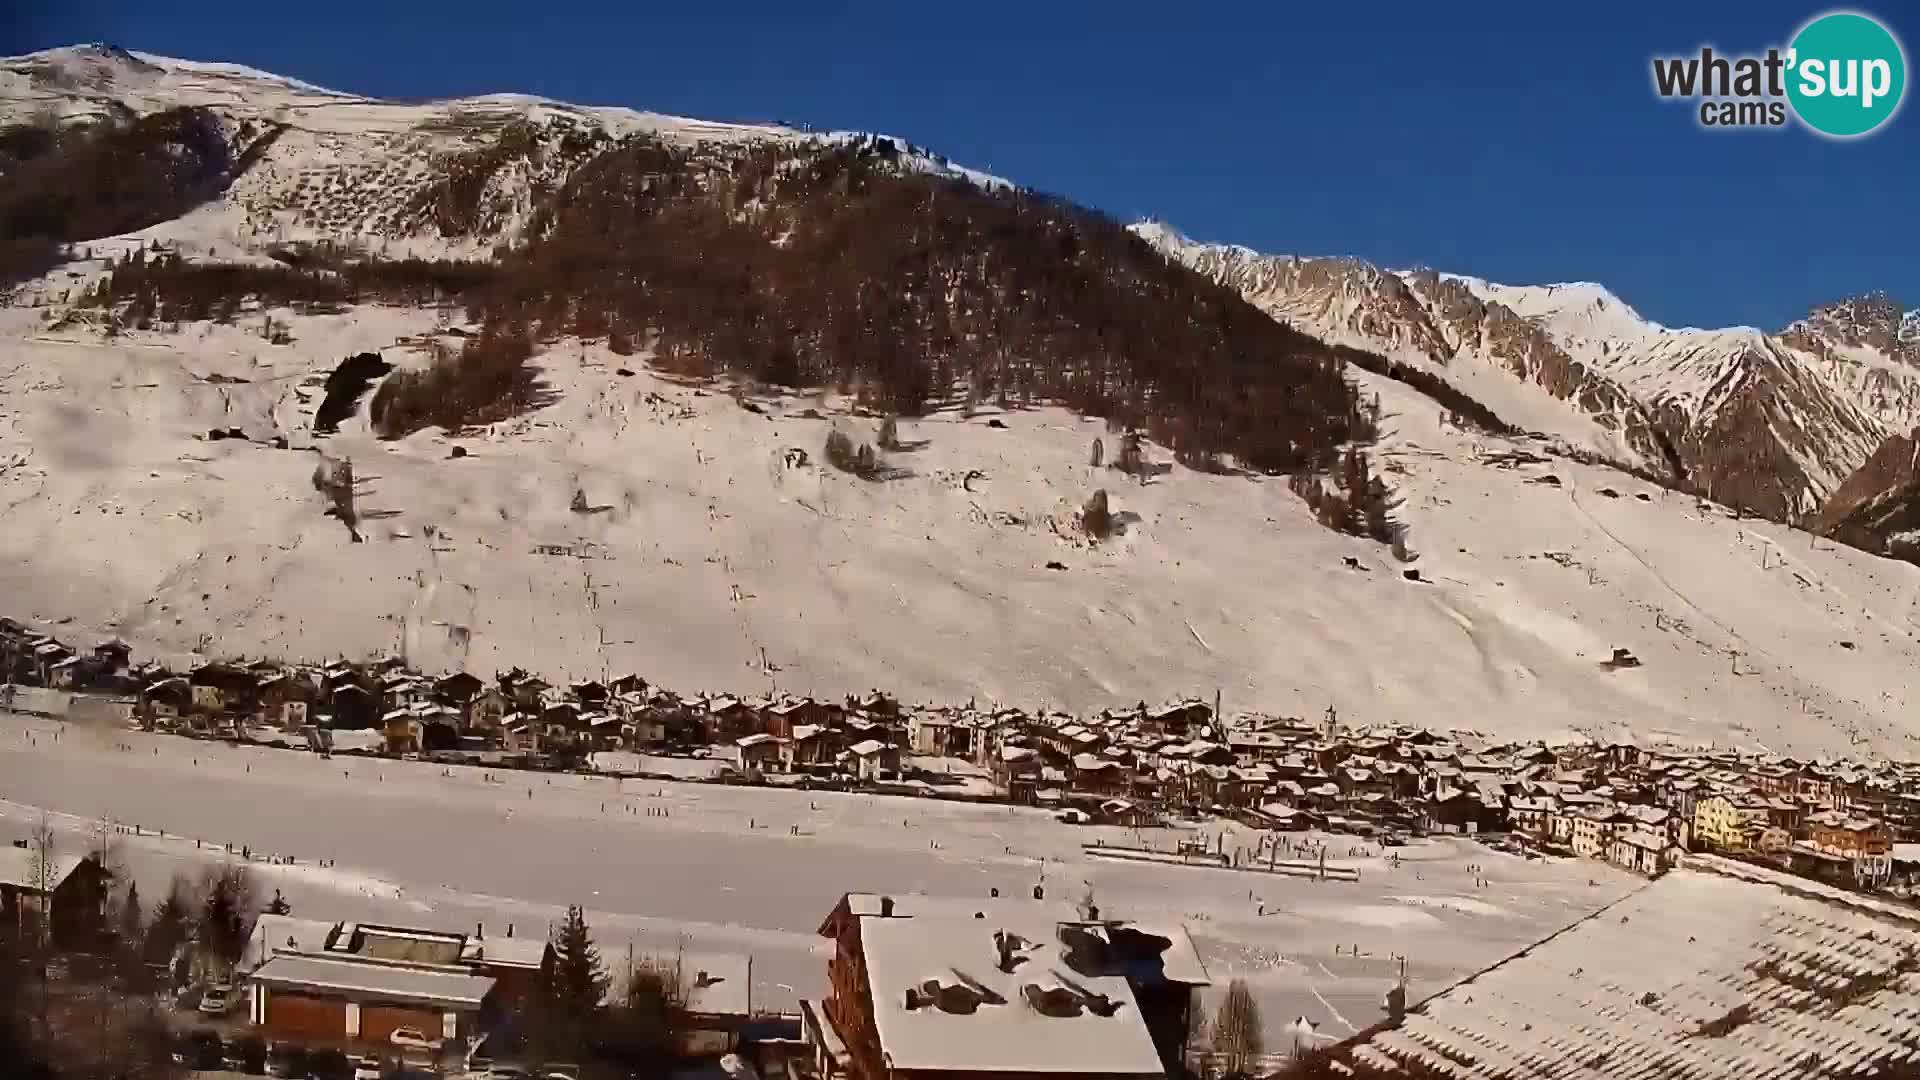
{"x":367,"y":1068}
{"x":200,"y":1050}
{"x":329,"y":1064}
{"x":217,"y":1000}
{"x":412,"y":1039}
{"x":288,"y":1061}
{"x":247,"y":1054}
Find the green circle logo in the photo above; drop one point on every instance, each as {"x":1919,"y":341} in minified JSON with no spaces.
{"x":1846,"y":75}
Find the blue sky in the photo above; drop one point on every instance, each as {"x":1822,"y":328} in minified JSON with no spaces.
{"x":1519,"y":142}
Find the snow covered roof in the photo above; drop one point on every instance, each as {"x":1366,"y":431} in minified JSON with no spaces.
{"x":19,"y":869}
{"x":385,"y":982}
{"x":942,"y":1001}
{"x":1717,"y":970}
{"x":716,"y":983}
{"x":913,"y":905}
{"x":867,"y":747}
{"x":1641,"y":838}
{"x":284,"y":934}
{"x":523,"y":952}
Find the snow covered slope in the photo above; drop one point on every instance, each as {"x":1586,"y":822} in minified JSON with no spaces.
{"x":1770,"y":422}
{"x":710,"y":560}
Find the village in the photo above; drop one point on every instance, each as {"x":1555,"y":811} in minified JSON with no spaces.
{"x":1105,"y":995}
{"x":1852,"y":824}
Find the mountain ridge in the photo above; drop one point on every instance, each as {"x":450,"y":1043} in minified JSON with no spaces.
{"x":1773,"y":423}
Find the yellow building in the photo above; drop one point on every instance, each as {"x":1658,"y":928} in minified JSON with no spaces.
{"x":1721,"y":825}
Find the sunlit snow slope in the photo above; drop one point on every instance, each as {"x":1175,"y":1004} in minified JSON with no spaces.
{"x":709,"y":560}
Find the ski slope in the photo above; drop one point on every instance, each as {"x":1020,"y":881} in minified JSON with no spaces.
{"x":708,"y":560}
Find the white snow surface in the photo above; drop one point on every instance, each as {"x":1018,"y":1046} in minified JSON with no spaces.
{"x":1005,"y":1032}
{"x":722,"y":873}
{"x":711,"y":564}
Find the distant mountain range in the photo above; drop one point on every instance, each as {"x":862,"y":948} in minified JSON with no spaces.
{"x":1772,"y":422}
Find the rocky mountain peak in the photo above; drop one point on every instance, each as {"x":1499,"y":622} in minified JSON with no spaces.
{"x":1873,"y":320}
{"x":93,"y":68}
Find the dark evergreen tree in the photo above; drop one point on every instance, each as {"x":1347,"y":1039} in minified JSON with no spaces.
{"x":171,"y":920}
{"x":574,"y":981}
{"x":1094,"y":516}
{"x":1237,"y":1031}
{"x":229,"y":903}
{"x":132,"y":919}
{"x":839,"y":451}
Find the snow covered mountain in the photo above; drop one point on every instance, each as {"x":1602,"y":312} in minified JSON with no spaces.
{"x":433,"y":179}
{"x":1770,"y":422}
{"x":624,"y":516}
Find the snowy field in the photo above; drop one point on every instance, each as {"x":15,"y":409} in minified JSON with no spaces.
{"x":724,"y":871}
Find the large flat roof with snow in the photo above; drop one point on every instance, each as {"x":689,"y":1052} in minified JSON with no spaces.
{"x":717,"y":983}
{"x":385,"y":982}
{"x":1717,"y":970}
{"x":273,"y":934}
{"x":925,"y":972}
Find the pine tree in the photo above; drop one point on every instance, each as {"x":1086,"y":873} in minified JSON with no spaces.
{"x":839,"y":450}
{"x":1095,"y":517}
{"x":1236,"y":1028}
{"x":132,"y":919}
{"x":126,"y":942}
{"x":229,"y":902}
{"x":169,"y":926}
{"x":576,"y":980}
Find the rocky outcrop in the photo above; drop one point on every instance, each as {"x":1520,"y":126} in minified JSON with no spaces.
{"x":1530,"y":354}
{"x":1874,"y":322}
{"x":1878,"y":507}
